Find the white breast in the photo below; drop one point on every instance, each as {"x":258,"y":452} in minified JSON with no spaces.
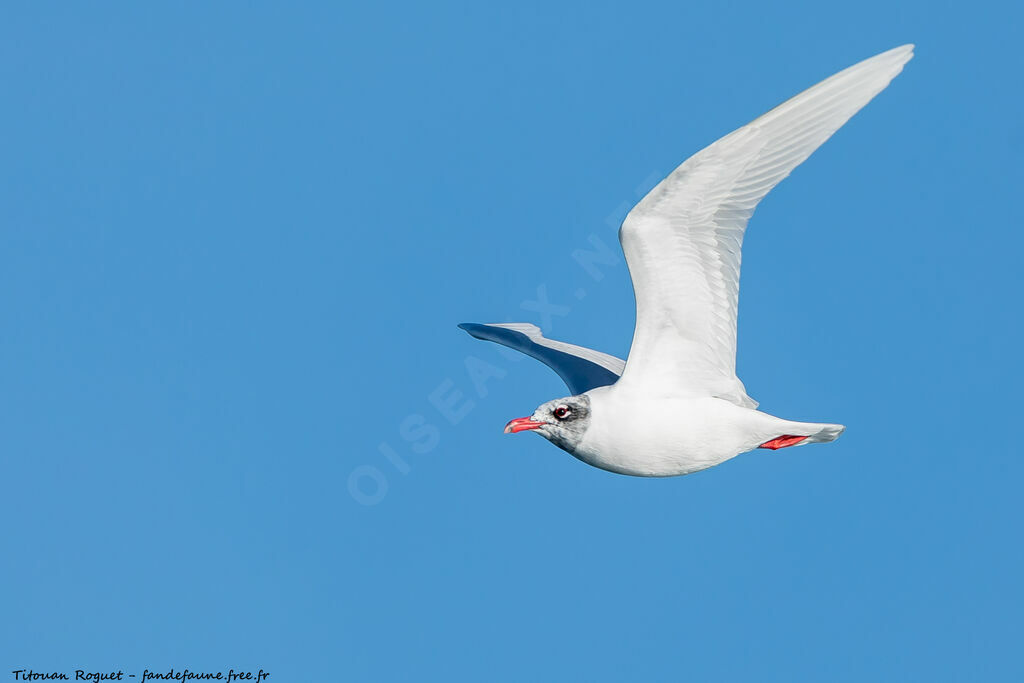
{"x":637,"y":434}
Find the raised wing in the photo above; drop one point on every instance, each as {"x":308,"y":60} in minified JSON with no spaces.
{"x":581,"y":369}
{"x":683,"y":240}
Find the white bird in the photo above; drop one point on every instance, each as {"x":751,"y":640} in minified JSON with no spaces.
{"x":676,"y":405}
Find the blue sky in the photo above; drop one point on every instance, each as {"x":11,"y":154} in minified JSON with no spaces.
{"x":235,"y":241}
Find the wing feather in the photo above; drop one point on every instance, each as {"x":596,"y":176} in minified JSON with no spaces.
{"x":581,"y":369}
{"x":683,"y":241}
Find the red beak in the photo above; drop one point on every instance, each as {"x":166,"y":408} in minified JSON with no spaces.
{"x":521,"y":424}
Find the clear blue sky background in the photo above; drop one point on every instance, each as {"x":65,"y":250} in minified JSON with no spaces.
{"x":235,"y":240}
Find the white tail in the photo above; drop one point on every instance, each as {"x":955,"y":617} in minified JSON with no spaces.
{"x":824,"y":433}
{"x":803,"y":433}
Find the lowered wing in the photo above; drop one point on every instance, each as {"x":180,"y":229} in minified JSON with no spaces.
{"x":580,"y":368}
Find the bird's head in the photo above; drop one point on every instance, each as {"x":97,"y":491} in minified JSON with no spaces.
{"x":562,"y":421}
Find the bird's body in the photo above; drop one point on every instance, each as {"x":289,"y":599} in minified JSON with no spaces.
{"x":673,"y":435}
{"x":676,"y":406}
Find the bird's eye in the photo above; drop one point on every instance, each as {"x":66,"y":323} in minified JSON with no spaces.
{"x":561,"y":412}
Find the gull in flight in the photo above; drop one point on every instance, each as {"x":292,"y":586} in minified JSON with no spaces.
{"x":676,"y":406}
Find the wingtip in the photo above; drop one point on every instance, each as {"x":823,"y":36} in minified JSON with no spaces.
{"x":906,"y":52}
{"x":889,"y":63}
{"x":900,"y":54}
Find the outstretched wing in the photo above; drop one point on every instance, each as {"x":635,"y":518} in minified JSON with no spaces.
{"x":581,"y":369}
{"x":682,"y":241}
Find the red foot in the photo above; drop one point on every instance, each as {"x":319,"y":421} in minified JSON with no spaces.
{"x":782,"y":442}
